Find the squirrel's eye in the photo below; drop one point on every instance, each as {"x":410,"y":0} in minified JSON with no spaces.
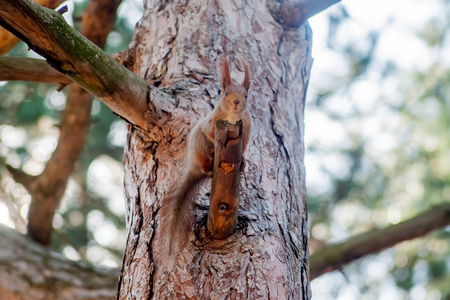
{"x":226,"y":93}
{"x":246,"y":96}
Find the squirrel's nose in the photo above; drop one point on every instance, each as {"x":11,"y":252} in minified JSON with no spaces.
{"x":236,"y":101}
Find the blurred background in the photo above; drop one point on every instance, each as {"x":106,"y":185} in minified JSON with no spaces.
{"x":377,"y":137}
{"x":377,"y":132}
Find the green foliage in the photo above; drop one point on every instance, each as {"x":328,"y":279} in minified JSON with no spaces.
{"x":382,"y":155}
{"x":377,"y":138}
{"x":30,"y":114}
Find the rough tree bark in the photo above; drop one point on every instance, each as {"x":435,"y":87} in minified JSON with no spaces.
{"x":30,"y":69}
{"x":266,"y":259}
{"x":177,"y":47}
{"x":9,"y":40}
{"x":30,"y":271}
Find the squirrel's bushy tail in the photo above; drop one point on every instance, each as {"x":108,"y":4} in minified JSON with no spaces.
{"x":177,"y":210}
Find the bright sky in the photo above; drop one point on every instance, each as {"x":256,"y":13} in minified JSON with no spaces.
{"x":399,"y":21}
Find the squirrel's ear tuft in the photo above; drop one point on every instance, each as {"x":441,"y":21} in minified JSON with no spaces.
{"x":246,"y":82}
{"x":226,"y":77}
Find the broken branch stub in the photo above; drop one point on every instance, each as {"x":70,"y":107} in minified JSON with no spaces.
{"x":224,"y":199}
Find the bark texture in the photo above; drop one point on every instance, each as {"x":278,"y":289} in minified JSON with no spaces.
{"x":177,"y":46}
{"x":291,"y":14}
{"x":30,"y":69}
{"x":29,"y":271}
{"x":8,"y":40}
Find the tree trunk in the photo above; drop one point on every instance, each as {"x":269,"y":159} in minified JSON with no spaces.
{"x":177,"y":46}
{"x":267,"y":256}
{"x":30,"y":271}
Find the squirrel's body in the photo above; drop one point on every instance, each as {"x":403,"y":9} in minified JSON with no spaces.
{"x":232,"y":107}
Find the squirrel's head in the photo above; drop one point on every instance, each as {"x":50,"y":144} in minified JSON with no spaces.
{"x":234,"y":96}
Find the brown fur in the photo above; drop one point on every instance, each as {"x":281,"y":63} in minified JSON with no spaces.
{"x":177,"y":206}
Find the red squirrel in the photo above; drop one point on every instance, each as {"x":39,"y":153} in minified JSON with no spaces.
{"x":177,"y":206}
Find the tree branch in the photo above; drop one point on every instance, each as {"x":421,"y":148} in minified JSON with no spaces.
{"x":8,"y":40}
{"x":49,"y":187}
{"x":46,"y":32}
{"x":20,"y":176}
{"x":332,"y":257}
{"x":30,"y":69}
{"x":30,"y":271}
{"x":293,"y":14}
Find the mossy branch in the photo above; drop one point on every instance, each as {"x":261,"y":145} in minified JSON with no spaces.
{"x":8,"y":40}
{"x":65,"y":49}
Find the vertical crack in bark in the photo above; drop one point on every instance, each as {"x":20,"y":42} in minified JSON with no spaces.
{"x":140,"y":221}
{"x":304,"y":278}
{"x":305,"y":237}
{"x":274,"y":265}
{"x":137,"y":232}
{"x":293,"y":203}
{"x":153,"y":224}
{"x":150,"y":255}
{"x":282,"y":146}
